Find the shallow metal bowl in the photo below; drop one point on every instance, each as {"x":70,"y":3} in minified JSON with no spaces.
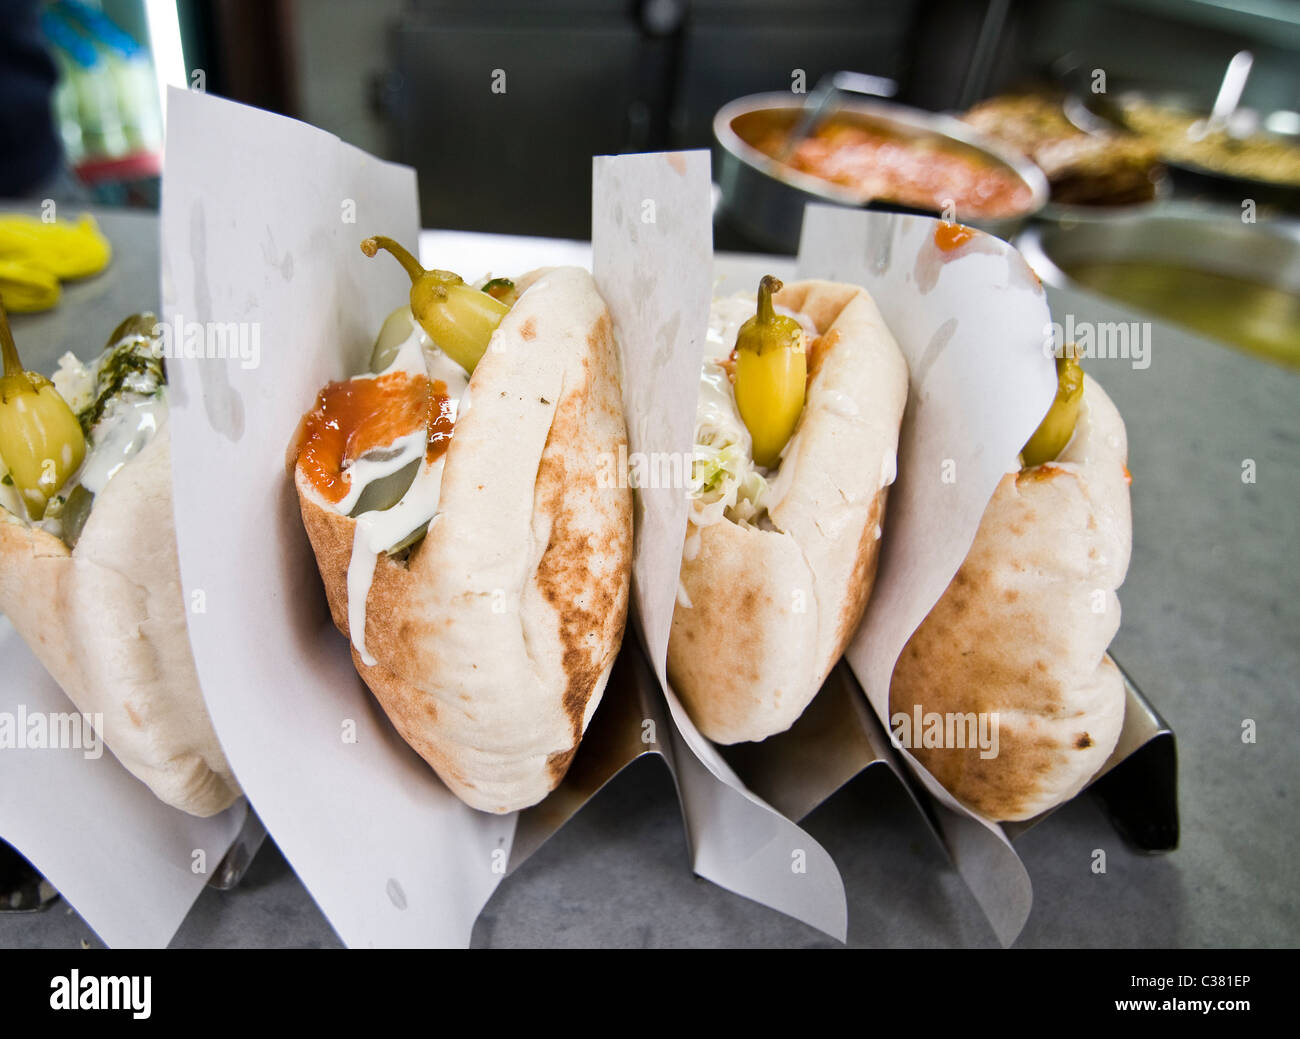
{"x":1137,"y":260}
{"x":765,"y":198}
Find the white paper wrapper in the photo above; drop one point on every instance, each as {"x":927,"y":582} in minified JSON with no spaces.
{"x":262,"y":218}
{"x":653,"y":260}
{"x":130,"y":865}
{"x":971,"y":323}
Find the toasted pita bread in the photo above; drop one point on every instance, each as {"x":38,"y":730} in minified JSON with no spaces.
{"x":107,"y":620}
{"x":494,"y":640}
{"x":1022,"y":630}
{"x":772,"y":610}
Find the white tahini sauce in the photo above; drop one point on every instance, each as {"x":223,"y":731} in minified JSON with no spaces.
{"x":129,"y":420}
{"x":120,"y":435}
{"x":379,"y":530}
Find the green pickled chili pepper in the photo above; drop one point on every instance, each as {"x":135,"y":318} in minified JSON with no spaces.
{"x":41,"y":441}
{"x":771,"y":376}
{"x":76,"y":510}
{"x":1057,"y":427}
{"x":396,"y":329}
{"x":459,"y":319}
{"x":382,"y":494}
{"x":502,"y":289}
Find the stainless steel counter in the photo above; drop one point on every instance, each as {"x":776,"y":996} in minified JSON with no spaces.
{"x":1211,"y":616}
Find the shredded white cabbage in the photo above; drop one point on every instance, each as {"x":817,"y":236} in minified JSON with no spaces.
{"x":725,"y":482}
{"x":75,"y":382}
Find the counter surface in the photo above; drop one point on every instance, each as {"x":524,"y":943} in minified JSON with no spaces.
{"x":1211,"y":615}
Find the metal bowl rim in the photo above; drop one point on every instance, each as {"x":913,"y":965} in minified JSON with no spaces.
{"x":915,"y":118}
{"x":1030,"y":241}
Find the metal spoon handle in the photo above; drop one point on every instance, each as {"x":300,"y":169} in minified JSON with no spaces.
{"x":1230,"y":91}
{"x":819,"y":102}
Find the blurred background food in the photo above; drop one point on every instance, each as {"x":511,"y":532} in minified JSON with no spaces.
{"x":997,"y":112}
{"x":37,"y":255}
{"x":1106,"y":167}
{"x":1252,"y":154}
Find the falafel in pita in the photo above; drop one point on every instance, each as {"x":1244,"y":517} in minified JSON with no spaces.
{"x":470,"y":542}
{"x":89,"y":574}
{"x":796,"y":446}
{"x":1020,"y":635}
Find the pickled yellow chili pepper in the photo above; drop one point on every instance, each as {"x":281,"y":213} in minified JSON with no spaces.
{"x":1057,"y":427}
{"x":62,"y":248}
{"x":41,"y":441}
{"x":459,"y":319}
{"x":771,"y":376}
{"x":27,"y":288}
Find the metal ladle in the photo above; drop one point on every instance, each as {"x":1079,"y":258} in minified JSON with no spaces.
{"x":819,"y":102}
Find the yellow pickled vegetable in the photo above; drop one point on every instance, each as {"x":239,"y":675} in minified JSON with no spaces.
{"x":63,"y":248}
{"x":771,"y":376}
{"x":41,"y":442}
{"x":26,"y":288}
{"x":1057,"y":427}
{"x":460,"y":319}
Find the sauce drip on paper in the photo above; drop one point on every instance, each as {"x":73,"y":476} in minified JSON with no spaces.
{"x":952,"y":236}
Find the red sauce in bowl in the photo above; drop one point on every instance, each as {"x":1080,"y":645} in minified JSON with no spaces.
{"x":922,"y":172}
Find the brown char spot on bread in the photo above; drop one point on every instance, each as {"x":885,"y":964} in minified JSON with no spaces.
{"x":557,"y":764}
{"x":864,"y":573}
{"x":528,"y":330}
{"x":588,"y":608}
{"x":1083,"y":742}
{"x":1001,"y":787}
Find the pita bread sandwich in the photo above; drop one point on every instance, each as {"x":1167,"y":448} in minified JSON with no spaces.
{"x":88,"y":568}
{"x":1019,"y":637}
{"x":472,"y":546}
{"x":796,"y":445}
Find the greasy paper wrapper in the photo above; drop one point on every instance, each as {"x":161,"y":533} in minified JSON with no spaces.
{"x":129,"y":864}
{"x":992,"y":313}
{"x":653,"y":262}
{"x":262,"y":218}
{"x":972,"y":323}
